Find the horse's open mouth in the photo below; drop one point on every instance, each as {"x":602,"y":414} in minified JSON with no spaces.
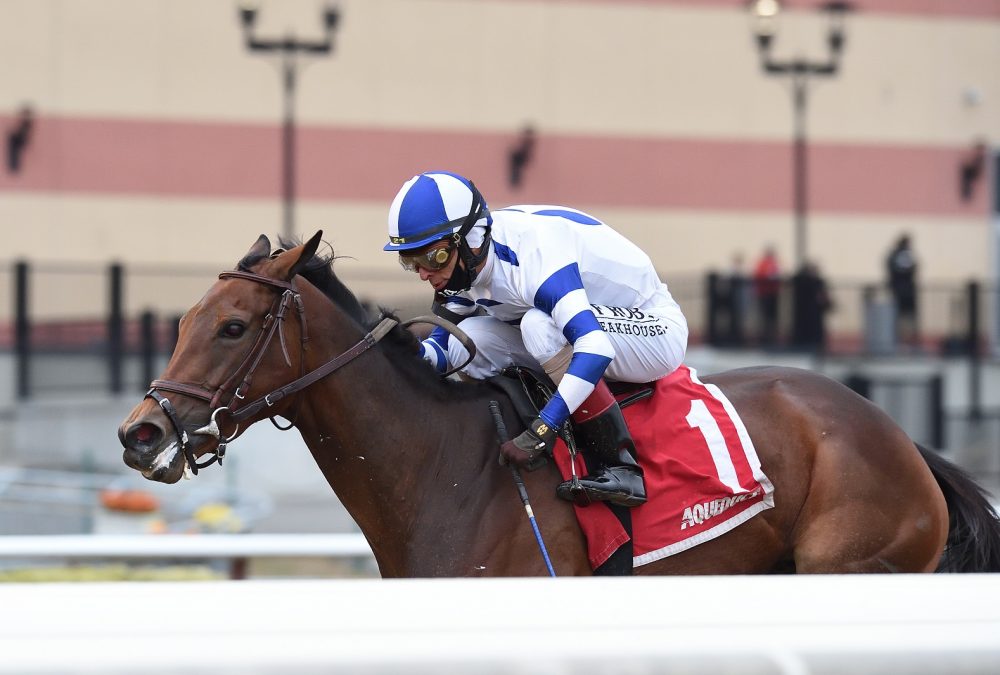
{"x":168,"y":466}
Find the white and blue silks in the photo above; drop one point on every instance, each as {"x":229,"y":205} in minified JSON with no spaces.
{"x":557,"y":276}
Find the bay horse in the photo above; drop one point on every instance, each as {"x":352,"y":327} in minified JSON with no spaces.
{"x":413,"y":457}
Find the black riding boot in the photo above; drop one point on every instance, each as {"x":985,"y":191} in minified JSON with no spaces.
{"x":615,"y":476}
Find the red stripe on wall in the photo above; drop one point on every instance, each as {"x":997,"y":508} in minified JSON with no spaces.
{"x":227,"y":161}
{"x":955,"y":8}
{"x":148,"y":157}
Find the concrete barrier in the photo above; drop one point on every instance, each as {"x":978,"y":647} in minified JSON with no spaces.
{"x":793,"y":625}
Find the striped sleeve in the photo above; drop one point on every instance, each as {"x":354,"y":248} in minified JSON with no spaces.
{"x":434,"y":348}
{"x":563,"y":297}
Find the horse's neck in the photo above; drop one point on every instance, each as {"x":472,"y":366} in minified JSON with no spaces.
{"x":391,"y":453}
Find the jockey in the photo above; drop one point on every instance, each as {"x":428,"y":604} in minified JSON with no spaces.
{"x":543,"y":286}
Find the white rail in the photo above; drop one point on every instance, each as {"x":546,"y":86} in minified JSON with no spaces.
{"x":792,"y":625}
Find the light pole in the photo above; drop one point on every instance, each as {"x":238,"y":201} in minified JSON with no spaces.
{"x":765,"y":14}
{"x":289,"y":48}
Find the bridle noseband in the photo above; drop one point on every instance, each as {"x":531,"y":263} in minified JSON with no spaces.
{"x":273,"y":323}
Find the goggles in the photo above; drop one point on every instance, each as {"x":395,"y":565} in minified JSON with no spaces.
{"x":432,"y":258}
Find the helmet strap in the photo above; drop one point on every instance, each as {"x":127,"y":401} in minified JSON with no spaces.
{"x":464,"y":275}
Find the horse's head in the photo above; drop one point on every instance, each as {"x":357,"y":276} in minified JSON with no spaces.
{"x":240,"y":341}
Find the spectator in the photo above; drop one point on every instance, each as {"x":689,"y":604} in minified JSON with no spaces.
{"x":729,"y":299}
{"x":810,"y":301}
{"x":901,"y":271}
{"x":767,"y":286}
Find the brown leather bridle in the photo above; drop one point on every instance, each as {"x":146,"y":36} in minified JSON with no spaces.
{"x":273,"y":324}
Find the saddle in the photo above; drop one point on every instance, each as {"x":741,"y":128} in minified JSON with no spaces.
{"x":529,"y":390}
{"x":608,"y":526}
{"x":690,"y":503}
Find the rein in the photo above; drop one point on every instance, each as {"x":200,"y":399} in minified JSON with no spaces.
{"x":273,"y":324}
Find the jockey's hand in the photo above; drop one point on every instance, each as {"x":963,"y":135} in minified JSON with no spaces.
{"x":531,"y":448}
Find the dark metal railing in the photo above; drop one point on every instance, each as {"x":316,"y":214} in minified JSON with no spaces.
{"x":130,"y":329}
{"x":853,"y":318}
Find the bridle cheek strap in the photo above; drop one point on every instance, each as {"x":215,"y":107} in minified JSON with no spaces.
{"x":273,"y":323}
{"x":251,"y":360}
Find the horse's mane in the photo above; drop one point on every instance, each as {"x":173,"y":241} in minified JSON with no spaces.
{"x":400,"y":345}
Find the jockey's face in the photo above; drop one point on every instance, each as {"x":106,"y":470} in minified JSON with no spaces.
{"x":435,"y":263}
{"x":432,"y":257}
{"x":433,"y":268}
{"x":438,"y":279}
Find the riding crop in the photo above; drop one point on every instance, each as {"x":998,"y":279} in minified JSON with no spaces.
{"x":519,"y":482}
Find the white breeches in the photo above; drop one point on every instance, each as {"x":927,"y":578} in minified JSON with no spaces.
{"x":647,"y":345}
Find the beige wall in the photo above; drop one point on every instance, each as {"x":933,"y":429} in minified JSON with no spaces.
{"x":605,"y":68}
{"x":642,"y":70}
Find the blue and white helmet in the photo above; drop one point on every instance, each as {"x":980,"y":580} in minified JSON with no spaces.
{"x":433,"y":205}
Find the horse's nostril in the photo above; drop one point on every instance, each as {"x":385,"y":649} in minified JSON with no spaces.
{"x":144,"y":435}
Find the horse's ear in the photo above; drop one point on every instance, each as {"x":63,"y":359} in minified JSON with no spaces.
{"x":301,"y":256}
{"x":260,"y":249}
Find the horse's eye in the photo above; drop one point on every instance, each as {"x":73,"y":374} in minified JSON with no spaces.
{"x":233,"y":329}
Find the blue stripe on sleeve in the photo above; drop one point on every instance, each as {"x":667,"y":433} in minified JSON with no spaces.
{"x":555,"y":411}
{"x":440,"y":336}
{"x":441,"y":364}
{"x":556,"y":286}
{"x":576,"y":217}
{"x":506,"y":254}
{"x":459,"y":300}
{"x":581,"y":324}
{"x":588,"y":367}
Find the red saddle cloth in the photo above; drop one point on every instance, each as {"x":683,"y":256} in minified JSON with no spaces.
{"x":702,"y":474}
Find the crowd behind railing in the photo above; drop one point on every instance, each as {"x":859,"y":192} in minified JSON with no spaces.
{"x":126,"y":318}
{"x":850,"y":318}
